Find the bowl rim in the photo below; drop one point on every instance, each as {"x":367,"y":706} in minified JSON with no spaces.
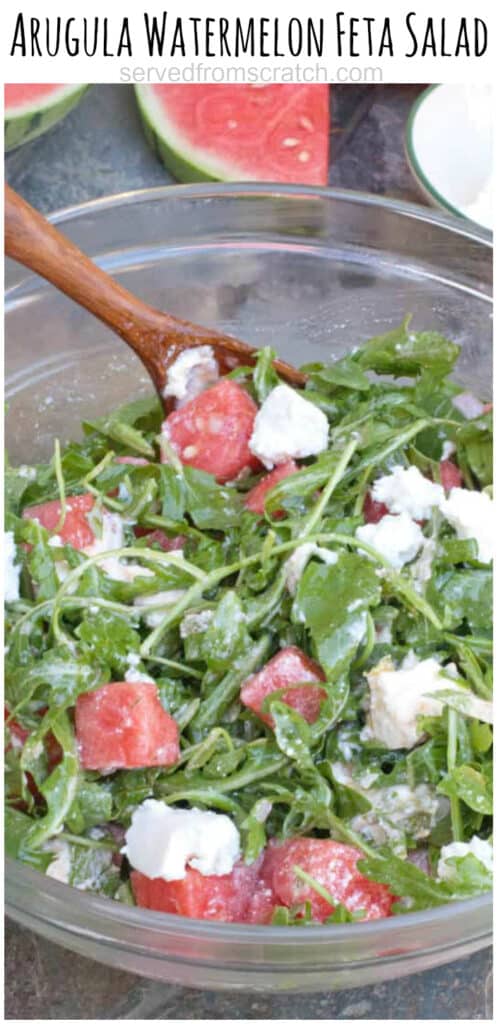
{"x":456,"y":223}
{"x":421,"y":177}
{"x":251,"y":934}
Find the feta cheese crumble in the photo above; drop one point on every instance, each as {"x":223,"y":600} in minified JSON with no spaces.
{"x":399,"y":696}
{"x":12,"y":571}
{"x":471,"y":514}
{"x":111,"y":538}
{"x":407,"y":490}
{"x":481,"y":848}
{"x":162,"y":841}
{"x":397,"y":538}
{"x":296,"y":564}
{"x":133,"y":673}
{"x":60,"y":867}
{"x":192,"y":372}
{"x":288,"y":426}
{"x":160,"y":604}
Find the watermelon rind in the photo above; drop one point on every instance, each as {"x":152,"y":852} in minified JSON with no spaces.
{"x":183,"y":161}
{"x":24,"y":123}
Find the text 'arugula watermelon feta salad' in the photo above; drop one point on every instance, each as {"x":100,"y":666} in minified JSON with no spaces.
{"x":239,"y":132}
{"x":249,"y":646}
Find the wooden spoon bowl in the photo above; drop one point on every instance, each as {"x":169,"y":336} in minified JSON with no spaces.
{"x":157,"y":338}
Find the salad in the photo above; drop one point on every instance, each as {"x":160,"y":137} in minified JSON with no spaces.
{"x":248,"y":662}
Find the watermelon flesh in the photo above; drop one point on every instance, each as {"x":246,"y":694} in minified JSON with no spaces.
{"x":333,"y":866}
{"x":32,"y":108}
{"x":251,"y":893}
{"x":124,"y":725}
{"x":239,"y":132}
{"x":292,"y":672}
{"x":212,"y":431}
{"x":256,"y":498}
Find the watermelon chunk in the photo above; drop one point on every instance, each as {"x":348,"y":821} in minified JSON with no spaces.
{"x":255,"y":499}
{"x":76,"y":529}
{"x":239,"y":132}
{"x":373,"y":511}
{"x":450,"y":474}
{"x":205,"y":897}
{"x":32,"y":109}
{"x":124,"y":725}
{"x":212,"y":431}
{"x":286,"y":670}
{"x":332,"y":865}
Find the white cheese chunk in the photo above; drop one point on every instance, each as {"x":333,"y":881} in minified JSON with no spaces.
{"x":192,"y":372}
{"x":111,"y":538}
{"x":471,"y":514}
{"x":162,"y":841}
{"x":12,"y":571}
{"x":399,"y":696}
{"x":407,"y":490}
{"x":133,"y":673}
{"x":397,"y":538}
{"x":449,"y":448}
{"x":288,"y":426}
{"x":481,"y":848}
{"x":160,"y":604}
{"x":296,"y":564}
{"x":60,"y":867}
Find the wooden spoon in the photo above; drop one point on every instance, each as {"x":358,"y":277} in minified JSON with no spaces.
{"x":157,"y":338}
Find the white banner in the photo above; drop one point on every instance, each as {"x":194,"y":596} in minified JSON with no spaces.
{"x":146,"y":41}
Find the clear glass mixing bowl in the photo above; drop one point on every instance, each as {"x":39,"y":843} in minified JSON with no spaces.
{"x":311,"y":272}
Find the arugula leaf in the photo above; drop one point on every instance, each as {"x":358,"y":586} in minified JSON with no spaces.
{"x":343,"y":373}
{"x":332,"y":601}
{"x":211,"y":505}
{"x":226,"y":633}
{"x":58,"y":677}
{"x":471,"y":786}
{"x":475,"y":446}
{"x":92,"y":870}
{"x":108,"y":638}
{"x":292,"y":732}
{"x":265,"y":378}
{"x":92,"y":805}
{"x":404,"y":352}
{"x":462,"y":595}
{"x":59,"y":789}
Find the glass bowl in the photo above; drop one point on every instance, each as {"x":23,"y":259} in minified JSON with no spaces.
{"x":312,"y":272}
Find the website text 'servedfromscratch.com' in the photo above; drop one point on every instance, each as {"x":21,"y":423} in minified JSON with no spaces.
{"x":199,"y":72}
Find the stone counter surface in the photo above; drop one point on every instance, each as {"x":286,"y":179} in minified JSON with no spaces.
{"x":99,"y":150}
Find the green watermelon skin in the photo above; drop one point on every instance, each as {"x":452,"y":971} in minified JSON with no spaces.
{"x":179,"y":167}
{"x":187,"y":162}
{"x":23,"y":125}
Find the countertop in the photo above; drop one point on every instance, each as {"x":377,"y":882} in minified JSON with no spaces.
{"x":98,"y":150}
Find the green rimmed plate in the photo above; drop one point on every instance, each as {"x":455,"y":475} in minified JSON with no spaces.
{"x":449,"y":149}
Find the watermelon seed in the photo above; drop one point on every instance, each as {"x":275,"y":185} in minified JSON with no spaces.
{"x":303,"y":156}
{"x":232,"y":124}
{"x":306,"y":123}
{"x":289,"y":142}
{"x":189,"y":451}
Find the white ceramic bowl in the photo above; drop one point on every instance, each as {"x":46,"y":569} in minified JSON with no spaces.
{"x":449,"y":147}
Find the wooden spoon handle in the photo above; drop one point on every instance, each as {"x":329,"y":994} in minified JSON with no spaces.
{"x":33,"y":241}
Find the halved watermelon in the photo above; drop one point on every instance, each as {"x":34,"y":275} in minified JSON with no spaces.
{"x":239,"y":132}
{"x":33,"y":108}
